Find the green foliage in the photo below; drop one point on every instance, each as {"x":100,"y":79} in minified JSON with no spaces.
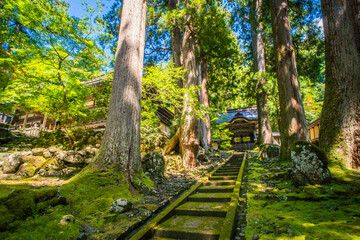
{"x":48,"y":54}
{"x":221,"y":134}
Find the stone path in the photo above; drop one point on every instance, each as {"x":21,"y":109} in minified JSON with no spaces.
{"x":206,"y":211}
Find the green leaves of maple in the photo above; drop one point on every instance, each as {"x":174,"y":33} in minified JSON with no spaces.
{"x":45,"y":56}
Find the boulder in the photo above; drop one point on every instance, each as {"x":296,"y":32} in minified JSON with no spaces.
{"x":68,"y":171}
{"x":269,"y":151}
{"x":47,"y":154}
{"x":60,"y":155}
{"x":202,"y":157}
{"x":12,"y":163}
{"x":30,"y":166}
{"x":53,"y":150}
{"x":26,"y":153}
{"x":83,"y":153}
{"x":38,"y":151}
{"x":94,"y":151}
{"x":53,"y":173}
{"x":88,"y":149}
{"x":74,"y":158}
{"x":121,"y":205}
{"x":309,"y":164}
{"x":26,"y":170}
{"x":154,"y":164}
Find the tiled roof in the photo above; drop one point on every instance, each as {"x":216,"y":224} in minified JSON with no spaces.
{"x":249,"y":114}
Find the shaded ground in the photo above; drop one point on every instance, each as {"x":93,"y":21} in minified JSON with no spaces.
{"x":279,"y":210}
{"x":89,"y":195}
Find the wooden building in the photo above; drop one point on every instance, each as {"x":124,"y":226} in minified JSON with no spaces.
{"x":314,"y":130}
{"x":40,"y":122}
{"x":244,"y":126}
{"x":243,"y":123}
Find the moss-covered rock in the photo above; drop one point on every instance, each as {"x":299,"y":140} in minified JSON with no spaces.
{"x":154,"y":164}
{"x":12,"y":163}
{"x":309,"y":164}
{"x":269,"y":151}
{"x":31,"y":165}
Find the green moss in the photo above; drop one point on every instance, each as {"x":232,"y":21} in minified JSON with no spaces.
{"x":279,"y":210}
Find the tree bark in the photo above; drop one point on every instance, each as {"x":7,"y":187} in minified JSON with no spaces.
{"x":204,"y":82}
{"x":190,"y":128}
{"x":203,"y":130}
{"x":265,"y":131}
{"x":120,"y":147}
{"x":340,"y":117}
{"x":292,"y":116}
{"x":176,"y":41}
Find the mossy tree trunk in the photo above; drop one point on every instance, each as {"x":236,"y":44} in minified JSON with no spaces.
{"x":176,"y":42}
{"x":340,"y":117}
{"x":190,"y":129}
{"x":292,"y":116}
{"x":120,"y":147}
{"x":265,"y":131}
{"x":205,"y":99}
{"x":203,"y":130}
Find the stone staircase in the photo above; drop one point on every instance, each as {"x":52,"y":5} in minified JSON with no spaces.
{"x":205,"y":212}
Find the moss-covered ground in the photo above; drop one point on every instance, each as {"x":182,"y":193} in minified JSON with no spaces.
{"x":89,"y":195}
{"x":279,"y":210}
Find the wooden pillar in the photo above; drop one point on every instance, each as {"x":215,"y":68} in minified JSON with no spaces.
{"x":44,"y":123}
{"x":25,"y":120}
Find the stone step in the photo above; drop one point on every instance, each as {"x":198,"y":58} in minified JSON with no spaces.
{"x":219,"y":183}
{"x":226,"y":174}
{"x":222,"y":178}
{"x":190,"y":227}
{"x":210,"y":197}
{"x":216,"y":189}
{"x":204,"y":209}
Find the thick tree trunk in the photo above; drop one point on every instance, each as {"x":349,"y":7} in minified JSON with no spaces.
{"x":172,"y":143}
{"x":190,"y":128}
{"x":204,"y":81}
{"x":176,"y":42}
{"x":203,"y":130}
{"x":340,"y":117}
{"x":292,"y":116}
{"x":121,"y":143}
{"x":265,"y":131}
{"x":176,"y":39}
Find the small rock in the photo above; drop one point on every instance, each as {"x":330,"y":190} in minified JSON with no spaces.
{"x":74,"y":158}
{"x":255,"y":237}
{"x":38,"y":151}
{"x":66,"y":219}
{"x":82,"y":237}
{"x":53,"y":150}
{"x":47,"y":154}
{"x":94,"y":151}
{"x":121,"y":205}
{"x":60,"y":155}
{"x":83,"y":153}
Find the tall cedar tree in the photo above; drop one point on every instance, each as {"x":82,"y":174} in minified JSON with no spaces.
{"x":190,"y":141}
{"x":205,"y":99}
{"x":292,"y":116}
{"x":265,"y":132}
{"x":340,"y":117}
{"x":121,"y":144}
